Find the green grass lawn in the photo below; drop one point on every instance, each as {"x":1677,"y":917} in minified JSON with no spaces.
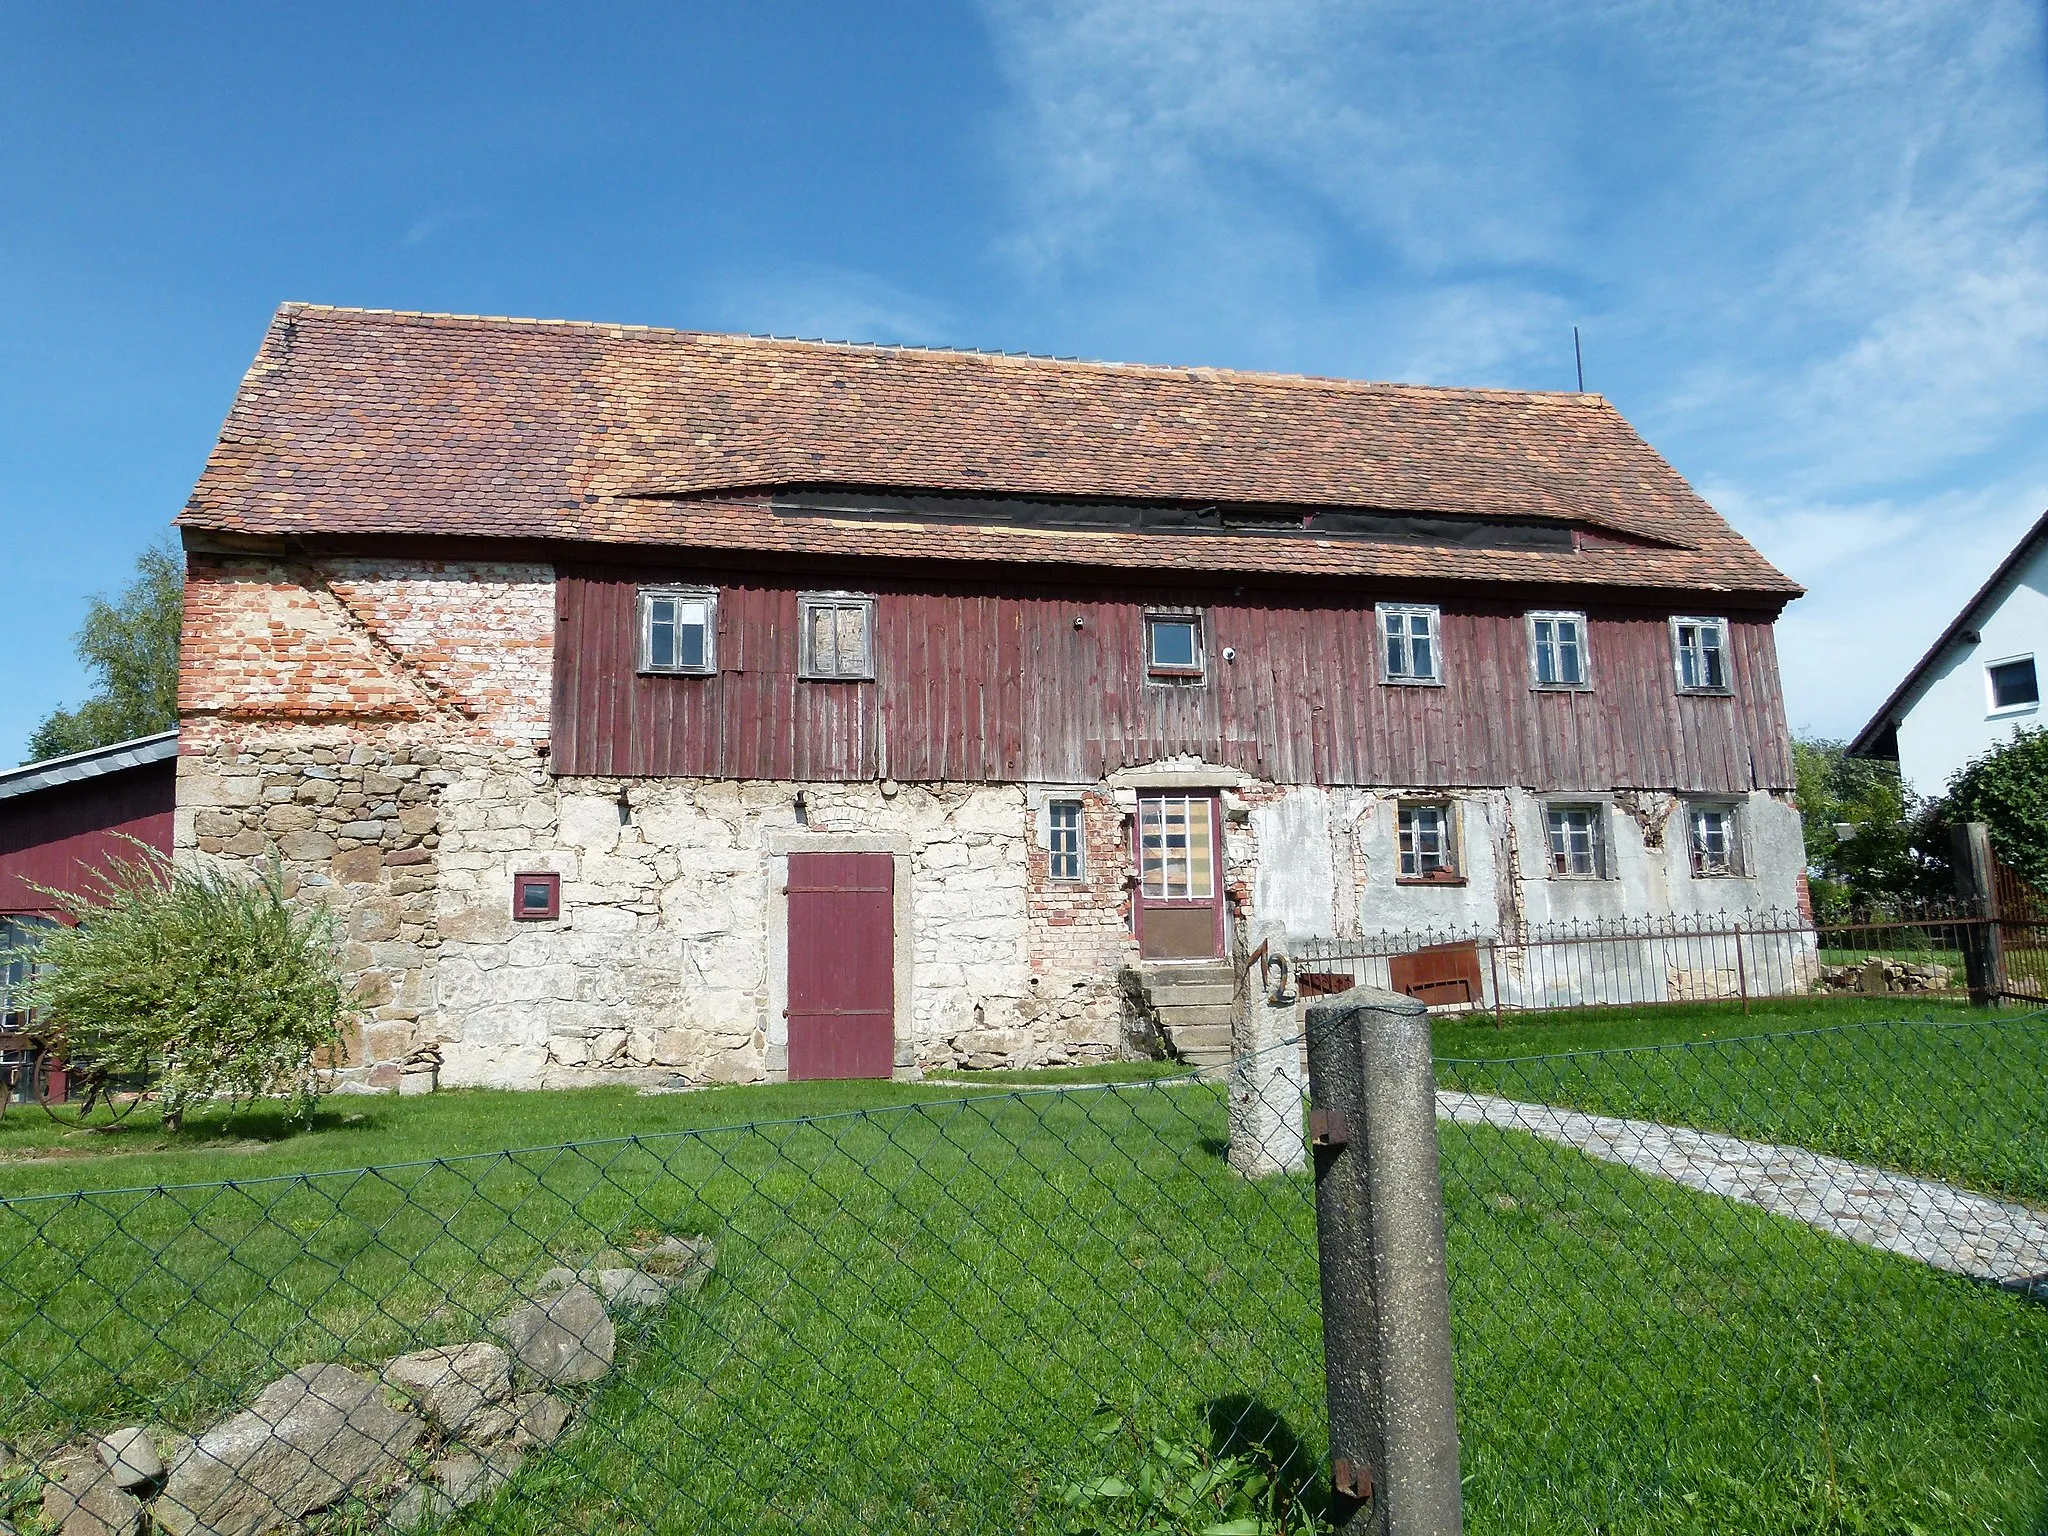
{"x":920,"y":1299}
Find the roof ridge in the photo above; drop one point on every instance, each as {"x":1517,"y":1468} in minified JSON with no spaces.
{"x":1251,"y":376}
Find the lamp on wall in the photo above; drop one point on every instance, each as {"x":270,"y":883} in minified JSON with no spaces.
{"x":803,"y":809}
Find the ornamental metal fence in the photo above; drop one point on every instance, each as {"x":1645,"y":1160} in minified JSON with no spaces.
{"x":1916,"y":949}
{"x":1769,"y":1283}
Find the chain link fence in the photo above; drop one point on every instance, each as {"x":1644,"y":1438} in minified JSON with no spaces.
{"x":1789,"y":1282}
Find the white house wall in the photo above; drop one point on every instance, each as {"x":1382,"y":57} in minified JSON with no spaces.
{"x":1951,"y":720}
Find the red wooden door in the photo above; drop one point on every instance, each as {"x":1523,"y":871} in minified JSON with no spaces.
{"x":1179,"y":883}
{"x":842,"y":965}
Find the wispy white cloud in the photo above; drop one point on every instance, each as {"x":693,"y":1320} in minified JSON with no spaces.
{"x":1810,"y":244}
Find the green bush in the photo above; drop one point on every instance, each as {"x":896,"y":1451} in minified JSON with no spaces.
{"x":2007,"y":789}
{"x":207,"y":984}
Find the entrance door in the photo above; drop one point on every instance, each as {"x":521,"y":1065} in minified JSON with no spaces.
{"x":1180,"y":895}
{"x":842,"y":965}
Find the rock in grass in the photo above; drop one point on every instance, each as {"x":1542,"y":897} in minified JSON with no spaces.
{"x":465,"y":1479}
{"x":454,"y":1384}
{"x":84,"y":1500}
{"x":541,"y":1418}
{"x":685,"y":1262}
{"x":130,"y":1456}
{"x":563,"y":1340}
{"x":417,"y":1505}
{"x":308,"y":1439}
{"x":632,"y":1290}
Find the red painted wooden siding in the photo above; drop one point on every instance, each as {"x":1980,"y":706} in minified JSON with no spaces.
{"x":984,"y":683}
{"x":56,"y":836}
{"x":842,"y":965}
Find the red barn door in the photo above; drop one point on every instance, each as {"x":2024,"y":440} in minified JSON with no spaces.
{"x":842,"y":965}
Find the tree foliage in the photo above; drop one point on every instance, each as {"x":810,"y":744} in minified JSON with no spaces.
{"x":1868,"y":841}
{"x":208,"y":984}
{"x":2007,"y":790}
{"x":131,"y":647}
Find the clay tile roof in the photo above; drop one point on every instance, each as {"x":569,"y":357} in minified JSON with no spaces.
{"x":366,"y":423}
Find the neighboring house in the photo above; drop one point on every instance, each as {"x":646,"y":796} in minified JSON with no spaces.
{"x":63,"y":821}
{"x":663,"y":704}
{"x":1977,"y":684}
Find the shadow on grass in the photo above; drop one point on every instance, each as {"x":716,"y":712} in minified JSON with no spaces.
{"x":1240,"y":1426}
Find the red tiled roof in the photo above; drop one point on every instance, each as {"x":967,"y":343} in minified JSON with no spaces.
{"x":358,"y":422}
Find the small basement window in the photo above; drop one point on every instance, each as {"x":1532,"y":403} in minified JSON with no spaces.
{"x":837,"y":636}
{"x":1068,"y":860}
{"x":1700,"y":648}
{"x":2013,"y":684}
{"x":1409,"y":644}
{"x":679,"y":630}
{"x":1557,"y":646}
{"x":1574,"y":837}
{"x":1711,"y":840}
{"x":536,"y":896}
{"x":1173,"y":645}
{"x":1428,"y":842}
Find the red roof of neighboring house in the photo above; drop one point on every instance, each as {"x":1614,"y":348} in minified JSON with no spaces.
{"x":358,"y":422}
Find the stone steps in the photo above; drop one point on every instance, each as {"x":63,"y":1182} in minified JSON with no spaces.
{"x":1196,"y":1002}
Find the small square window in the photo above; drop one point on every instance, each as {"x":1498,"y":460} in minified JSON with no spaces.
{"x":679,"y":630}
{"x":2014,"y":684}
{"x":836,"y":636}
{"x":1557,"y":647}
{"x":1173,"y":644}
{"x":536,"y":896}
{"x":1428,"y":843}
{"x":1700,"y":650}
{"x":1710,"y":839}
{"x":1068,"y":860}
{"x":1574,"y":842}
{"x":1409,"y":643}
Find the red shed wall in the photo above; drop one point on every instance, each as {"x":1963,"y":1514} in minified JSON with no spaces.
{"x":986,"y":683}
{"x":53,"y":837}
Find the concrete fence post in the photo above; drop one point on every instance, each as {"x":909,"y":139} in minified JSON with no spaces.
{"x":1267,"y":1086}
{"x":1385,"y":1285}
{"x":1977,"y":886}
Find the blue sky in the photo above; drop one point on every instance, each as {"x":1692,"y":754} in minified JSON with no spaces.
{"x":1807,"y":246}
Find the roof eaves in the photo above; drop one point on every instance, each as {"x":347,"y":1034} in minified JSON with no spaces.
{"x":75,"y":767}
{"x":1885,"y":719}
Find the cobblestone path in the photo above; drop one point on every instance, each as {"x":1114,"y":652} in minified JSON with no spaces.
{"x":1936,"y":1223}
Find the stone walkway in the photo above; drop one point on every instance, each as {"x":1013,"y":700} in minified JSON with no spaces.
{"x":1938,"y":1224}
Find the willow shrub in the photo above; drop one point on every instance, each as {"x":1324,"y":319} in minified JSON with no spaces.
{"x":209,"y":984}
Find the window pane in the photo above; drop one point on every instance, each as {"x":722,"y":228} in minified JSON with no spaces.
{"x":1199,"y":848}
{"x":1173,"y":643}
{"x":824,"y":660}
{"x":2014,"y":683}
{"x":1710,"y":640}
{"x":1546,"y":652}
{"x":1421,"y":654}
{"x":1569,"y":667}
{"x":689,"y":634}
{"x":1066,"y":840}
{"x":1152,"y":847}
{"x":661,"y":634}
{"x":1688,"y":655}
{"x":1397,"y":647}
{"x":852,"y":624}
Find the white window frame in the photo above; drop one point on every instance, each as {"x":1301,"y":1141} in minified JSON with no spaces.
{"x":1732,"y":831}
{"x":1430,"y":612}
{"x":1053,"y":806}
{"x":1157,"y":880}
{"x":649,"y":596}
{"x":1678,"y":650}
{"x":1596,"y":829}
{"x":1451,"y":869}
{"x":1555,"y":617}
{"x":1997,"y":711}
{"x":808,"y":603}
{"x":1163,"y":672}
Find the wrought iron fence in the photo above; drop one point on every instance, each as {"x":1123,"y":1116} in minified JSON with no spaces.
{"x":1914,"y":948}
{"x":1771,"y":1283}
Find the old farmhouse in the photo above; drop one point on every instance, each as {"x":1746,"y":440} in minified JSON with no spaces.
{"x":659,"y":705}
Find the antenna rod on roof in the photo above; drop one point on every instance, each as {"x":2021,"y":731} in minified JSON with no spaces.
{"x":1579,"y":358}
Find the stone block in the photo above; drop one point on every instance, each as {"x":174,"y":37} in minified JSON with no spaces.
{"x":359,"y":866}
{"x":566,"y":1339}
{"x":308,"y":1439}
{"x":130,"y":1457}
{"x":452,"y":1385}
{"x":376,"y":919}
{"x":86,"y":1500}
{"x":306,"y":847}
